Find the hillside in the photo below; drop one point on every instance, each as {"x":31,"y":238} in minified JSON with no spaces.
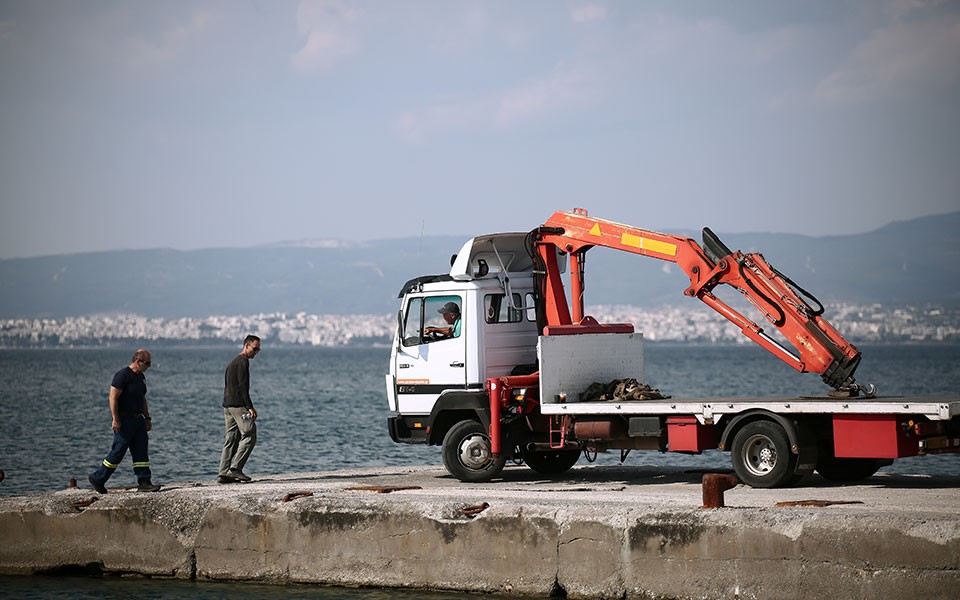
{"x":914,"y":261}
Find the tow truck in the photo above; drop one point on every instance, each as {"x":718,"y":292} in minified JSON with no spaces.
{"x":492,"y":362}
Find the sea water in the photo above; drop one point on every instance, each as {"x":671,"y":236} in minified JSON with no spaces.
{"x":325,"y":408}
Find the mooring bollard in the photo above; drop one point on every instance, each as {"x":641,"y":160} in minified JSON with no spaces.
{"x":714,"y":485}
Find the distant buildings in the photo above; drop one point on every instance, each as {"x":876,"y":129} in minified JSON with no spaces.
{"x":872,"y":323}
{"x":301,"y":328}
{"x":690,"y":324}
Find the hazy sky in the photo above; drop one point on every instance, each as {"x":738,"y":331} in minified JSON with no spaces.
{"x":193,"y":124}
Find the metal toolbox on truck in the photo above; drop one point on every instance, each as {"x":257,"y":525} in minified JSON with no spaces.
{"x":570,"y":363}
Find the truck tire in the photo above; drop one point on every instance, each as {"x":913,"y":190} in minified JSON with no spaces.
{"x":847,"y":469}
{"x":466,"y":453}
{"x":761,"y":455}
{"x":551,"y":462}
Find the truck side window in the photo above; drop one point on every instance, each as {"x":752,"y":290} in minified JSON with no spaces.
{"x":432,"y":319}
{"x":441,"y":318}
{"x":497,"y":310}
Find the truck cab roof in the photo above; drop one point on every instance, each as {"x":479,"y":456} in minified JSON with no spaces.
{"x":485,"y":257}
{"x":492,"y":255}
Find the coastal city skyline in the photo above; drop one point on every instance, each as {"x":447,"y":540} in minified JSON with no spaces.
{"x":870,"y":323}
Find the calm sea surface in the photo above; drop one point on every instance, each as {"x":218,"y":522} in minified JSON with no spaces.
{"x":323,"y":408}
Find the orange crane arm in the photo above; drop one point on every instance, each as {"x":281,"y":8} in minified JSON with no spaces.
{"x":819,"y":347}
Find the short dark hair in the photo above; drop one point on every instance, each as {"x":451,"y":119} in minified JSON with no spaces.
{"x":140,"y":355}
{"x":250,"y":339}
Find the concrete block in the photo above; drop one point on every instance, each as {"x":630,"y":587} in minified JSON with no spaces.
{"x":116,"y":540}
{"x":397,"y":548}
{"x":862,"y":546}
{"x":589,"y":558}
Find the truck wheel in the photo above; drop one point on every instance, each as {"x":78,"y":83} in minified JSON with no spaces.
{"x":551,"y":462}
{"x":761,"y":455}
{"x":466,"y":453}
{"x":847,"y":469}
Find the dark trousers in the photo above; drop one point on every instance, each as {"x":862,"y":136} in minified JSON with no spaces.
{"x":132,"y":435}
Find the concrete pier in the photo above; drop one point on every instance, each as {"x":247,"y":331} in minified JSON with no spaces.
{"x":597,"y":532}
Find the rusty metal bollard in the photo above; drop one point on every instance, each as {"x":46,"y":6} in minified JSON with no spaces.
{"x":714,"y":485}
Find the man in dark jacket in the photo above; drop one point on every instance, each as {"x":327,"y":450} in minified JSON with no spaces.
{"x":239,"y":416}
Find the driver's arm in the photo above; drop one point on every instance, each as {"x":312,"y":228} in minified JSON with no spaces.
{"x":439,"y":331}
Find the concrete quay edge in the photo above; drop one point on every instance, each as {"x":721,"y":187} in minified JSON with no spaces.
{"x":596,"y":532}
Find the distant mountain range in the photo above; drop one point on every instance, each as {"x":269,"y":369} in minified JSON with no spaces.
{"x":915,"y":261}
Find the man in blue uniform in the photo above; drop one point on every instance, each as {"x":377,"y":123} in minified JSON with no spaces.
{"x":131,"y":422}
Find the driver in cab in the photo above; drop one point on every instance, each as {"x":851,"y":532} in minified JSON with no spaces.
{"x":451,"y":316}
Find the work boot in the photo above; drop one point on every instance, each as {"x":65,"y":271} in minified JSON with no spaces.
{"x":146,"y":486}
{"x":226,"y":479}
{"x":101,"y":489}
{"x":238,"y":475}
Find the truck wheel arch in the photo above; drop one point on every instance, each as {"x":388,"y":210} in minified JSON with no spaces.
{"x":453,"y":407}
{"x":759,"y":414}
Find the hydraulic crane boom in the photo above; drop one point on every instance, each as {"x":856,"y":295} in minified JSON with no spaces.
{"x":819,"y":347}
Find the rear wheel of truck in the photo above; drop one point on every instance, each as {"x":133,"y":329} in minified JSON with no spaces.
{"x":847,"y":469}
{"x":761,"y":455}
{"x":466,"y":453}
{"x":551,"y":462}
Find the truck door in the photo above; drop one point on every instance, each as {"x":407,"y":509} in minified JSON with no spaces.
{"x":431,"y":357}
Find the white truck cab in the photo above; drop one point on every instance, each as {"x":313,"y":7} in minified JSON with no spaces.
{"x":438,"y":365}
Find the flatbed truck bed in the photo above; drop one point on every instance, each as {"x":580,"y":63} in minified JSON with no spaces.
{"x":707,"y":410}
